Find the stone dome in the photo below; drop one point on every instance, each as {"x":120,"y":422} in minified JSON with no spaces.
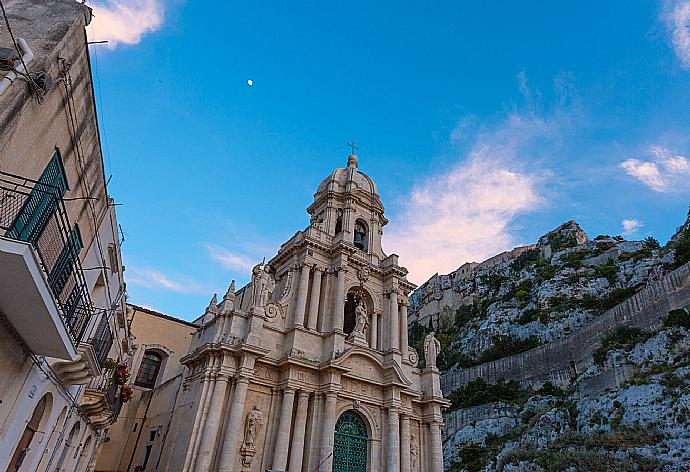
{"x":338,"y":180}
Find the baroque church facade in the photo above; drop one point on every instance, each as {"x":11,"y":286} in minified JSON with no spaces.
{"x":308,"y":367}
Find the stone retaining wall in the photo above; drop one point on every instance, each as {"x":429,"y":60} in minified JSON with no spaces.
{"x":559,"y":360}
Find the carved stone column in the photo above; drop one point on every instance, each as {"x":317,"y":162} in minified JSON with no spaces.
{"x":436,"y":447}
{"x":374,"y":331}
{"x":209,"y":437}
{"x":303,"y":288}
{"x":207,"y":383}
{"x":283,"y":438}
{"x":404,"y":343}
{"x":297,"y":450}
{"x":405,"y":442}
{"x":339,"y":315}
{"x":328,"y":432}
{"x":393,"y":440}
{"x":315,"y":296}
{"x":394,"y":340}
{"x":229,"y":461}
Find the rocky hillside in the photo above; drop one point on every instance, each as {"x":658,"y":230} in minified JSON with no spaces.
{"x":641,"y":421}
{"x":563,"y":282}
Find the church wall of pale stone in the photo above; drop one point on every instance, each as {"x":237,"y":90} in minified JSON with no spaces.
{"x":317,"y":343}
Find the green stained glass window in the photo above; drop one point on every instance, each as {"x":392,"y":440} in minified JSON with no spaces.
{"x":350,"y":446}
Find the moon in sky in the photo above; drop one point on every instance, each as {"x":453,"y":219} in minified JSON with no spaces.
{"x":250,"y":82}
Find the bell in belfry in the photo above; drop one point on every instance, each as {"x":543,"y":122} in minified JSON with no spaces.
{"x":359,"y":240}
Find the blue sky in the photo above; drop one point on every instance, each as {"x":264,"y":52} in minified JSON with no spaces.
{"x":484,"y":125}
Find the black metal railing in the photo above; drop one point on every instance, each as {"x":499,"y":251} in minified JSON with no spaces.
{"x":102,"y":340}
{"x":113,"y":395}
{"x":34,"y":212}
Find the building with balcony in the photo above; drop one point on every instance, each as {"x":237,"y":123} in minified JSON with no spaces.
{"x":138,"y":437}
{"x":64,"y":342}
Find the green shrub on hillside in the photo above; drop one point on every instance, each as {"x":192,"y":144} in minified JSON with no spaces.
{"x":651,"y":243}
{"x":682,"y":249}
{"x":525,"y":259}
{"x":478,"y":392}
{"x":678,"y":318}
{"x":622,"y":337}
{"x":609,"y":271}
{"x":550,"y":389}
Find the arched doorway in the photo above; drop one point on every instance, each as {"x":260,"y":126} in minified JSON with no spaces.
{"x":350,"y":445}
{"x":43,"y":406}
{"x":72,"y":441}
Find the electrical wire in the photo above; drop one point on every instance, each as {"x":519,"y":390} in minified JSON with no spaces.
{"x":71,"y":106}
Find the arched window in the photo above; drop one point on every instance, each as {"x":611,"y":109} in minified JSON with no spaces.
{"x":148,"y":369}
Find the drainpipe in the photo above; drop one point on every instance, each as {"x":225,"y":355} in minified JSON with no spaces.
{"x":27,"y":56}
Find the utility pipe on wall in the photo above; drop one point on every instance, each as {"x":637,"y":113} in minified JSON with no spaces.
{"x":27,"y":56}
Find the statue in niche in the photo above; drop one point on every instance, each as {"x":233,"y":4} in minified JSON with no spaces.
{"x":251,"y":430}
{"x":361,"y":318}
{"x":414,"y":453}
{"x":263,"y":284}
{"x":432,"y":347}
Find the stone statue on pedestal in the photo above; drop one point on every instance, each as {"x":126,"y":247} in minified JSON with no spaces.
{"x":432,"y":347}
{"x":251,"y":431}
{"x":254,"y":422}
{"x":414,"y":453}
{"x":361,"y":323}
{"x":361,"y":318}
{"x":263,"y":284}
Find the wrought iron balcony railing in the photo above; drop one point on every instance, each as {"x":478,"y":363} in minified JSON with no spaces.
{"x":34,"y":212}
{"x":102,"y":341}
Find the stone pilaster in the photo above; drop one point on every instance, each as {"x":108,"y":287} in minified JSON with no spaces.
{"x":339,"y":315}
{"x":394,"y":317}
{"x":303,"y":289}
{"x":374,"y":331}
{"x":315,"y":296}
{"x":297,"y":449}
{"x":404,"y":343}
{"x":393,"y":440}
{"x":436,"y":452}
{"x":206,"y":388}
{"x":405,"y":442}
{"x":327,"y":432}
{"x":209,"y":437}
{"x":283,"y":438}
{"x":229,"y":458}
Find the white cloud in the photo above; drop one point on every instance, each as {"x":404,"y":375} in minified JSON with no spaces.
{"x":631,"y":226}
{"x":125,"y":21}
{"x":154,"y":279}
{"x":229,"y":259}
{"x":665,"y":172}
{"x":465,"y":214}
{"x":646,"y":172}
{"x":676,"y":17}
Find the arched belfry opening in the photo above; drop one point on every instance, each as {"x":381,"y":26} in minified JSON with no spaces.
{"x":354,"y":297}
{"x":339,"y":223}
{"x":361,"y":240}
{"x":350,"y":443}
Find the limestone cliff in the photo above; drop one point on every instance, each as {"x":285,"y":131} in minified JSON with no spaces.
{"x":523,"y":397}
